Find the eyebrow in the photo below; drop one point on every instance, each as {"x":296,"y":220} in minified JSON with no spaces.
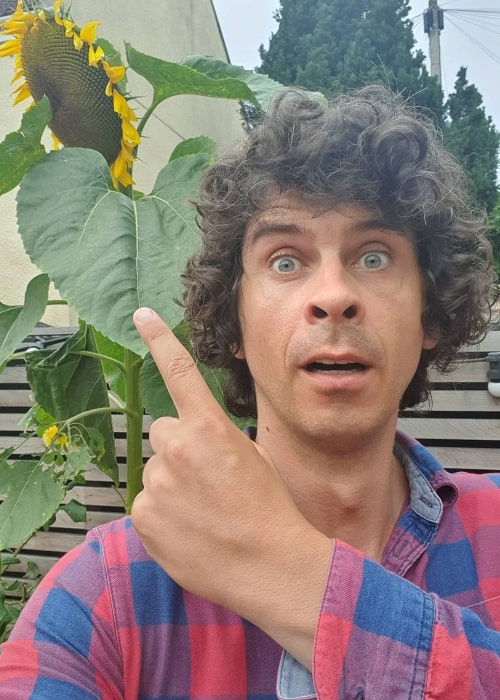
{"x":265,"y":226}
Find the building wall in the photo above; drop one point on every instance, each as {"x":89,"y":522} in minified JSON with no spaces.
{"x":167,"y":29}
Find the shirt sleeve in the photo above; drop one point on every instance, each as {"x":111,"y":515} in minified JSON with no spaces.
{"x":380,"y":636}
{"x":64,"y":644}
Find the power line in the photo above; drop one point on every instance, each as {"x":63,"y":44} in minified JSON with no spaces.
{"x":476,"y":42}
{"x":482,"y":18}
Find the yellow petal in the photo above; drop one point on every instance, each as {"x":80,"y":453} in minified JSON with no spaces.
{"x":17,"y":76}
{"x":49,"y":434}
{"x":88,"y":32}
{"x":121,"y":107}
{"x":17,"y":29}
{"x":10,"y":48}
{"x":130,"y":133}
{"x":78,"y":43}
{"x":69,"y":27}
{"x":120,"y":171}
{"x":95,"y":55}
{"x":21,"y":93}
{"x":56,"y":144}
{"x":114,"y":73}
{"x":57,"y":16}
{"x":119,"y":102}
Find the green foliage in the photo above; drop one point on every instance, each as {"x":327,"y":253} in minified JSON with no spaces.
{"x":332,"y":46}
{"x":107,"y":251}
{"x":32,"y":496}
{"x":21,"y":149}
{"x":70,"y":385}
{"x":494,"y":227}
{"x":101,"y":249}
{"x":170,"y":79}
{"x":16,"y":322}
{"x":33,"y":490}
{"x":472,"y":138}
{"x":14,"y":592}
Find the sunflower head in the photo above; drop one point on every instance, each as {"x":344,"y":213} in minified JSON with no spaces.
{"x":55,"y":58}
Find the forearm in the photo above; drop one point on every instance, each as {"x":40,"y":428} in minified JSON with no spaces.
{"x":285,"y":598}
{"x":383,"y":635}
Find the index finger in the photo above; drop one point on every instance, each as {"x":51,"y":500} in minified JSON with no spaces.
{"x":188,"y":389}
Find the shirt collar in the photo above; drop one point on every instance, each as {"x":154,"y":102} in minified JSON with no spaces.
{"x":431,"y":487}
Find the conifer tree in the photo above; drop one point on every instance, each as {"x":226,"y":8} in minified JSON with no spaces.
{"x":472,"y":138}
{"x":332,"y":45}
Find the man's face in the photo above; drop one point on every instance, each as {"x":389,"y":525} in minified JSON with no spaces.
{"x":330,"y":312}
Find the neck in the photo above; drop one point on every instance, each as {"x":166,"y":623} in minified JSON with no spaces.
{"x":352,"y":492}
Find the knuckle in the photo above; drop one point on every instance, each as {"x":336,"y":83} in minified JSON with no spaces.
{"x":178,"y":450}
{"x":179,"y":367}
{"x":158,"y":431}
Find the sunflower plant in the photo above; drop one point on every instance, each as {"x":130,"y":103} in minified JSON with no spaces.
{"x":107,"y":247}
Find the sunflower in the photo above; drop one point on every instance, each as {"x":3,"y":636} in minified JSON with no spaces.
{"x":54,"y":57}
{"x":52,"y":436}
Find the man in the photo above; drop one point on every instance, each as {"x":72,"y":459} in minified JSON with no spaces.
{"x":329,"y":555}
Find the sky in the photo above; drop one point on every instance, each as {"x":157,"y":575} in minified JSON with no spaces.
{"x":469,"y":39}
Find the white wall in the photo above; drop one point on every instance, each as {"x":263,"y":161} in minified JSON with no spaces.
{"x":167,"y":29}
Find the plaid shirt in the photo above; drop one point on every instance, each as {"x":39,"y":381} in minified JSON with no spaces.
{"x":107,"y":622}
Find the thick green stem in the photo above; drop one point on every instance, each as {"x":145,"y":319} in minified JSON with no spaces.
{"x":134,"y":426}
{"x":149,"y":111}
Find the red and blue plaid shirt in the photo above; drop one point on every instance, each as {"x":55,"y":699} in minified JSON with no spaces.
{"x":107,"y":622}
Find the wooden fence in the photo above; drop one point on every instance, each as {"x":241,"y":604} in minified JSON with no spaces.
{"x":462,"y":427}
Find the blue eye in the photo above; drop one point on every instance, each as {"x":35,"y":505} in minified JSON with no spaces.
{"x":285,"y":263}
{"x":374,"y":260}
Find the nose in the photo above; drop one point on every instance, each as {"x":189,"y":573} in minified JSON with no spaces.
{"x":333,"y":295}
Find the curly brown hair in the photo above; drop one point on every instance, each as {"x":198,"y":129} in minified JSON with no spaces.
{"x":367,"y":148}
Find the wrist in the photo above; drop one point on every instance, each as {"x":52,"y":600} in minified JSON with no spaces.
{"x":287,"y":590}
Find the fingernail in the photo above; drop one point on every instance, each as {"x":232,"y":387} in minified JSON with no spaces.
{"x":145,"y":315}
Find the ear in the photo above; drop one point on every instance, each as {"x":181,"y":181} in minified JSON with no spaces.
{"x":429,"y":342}
{"x":238,"y":351}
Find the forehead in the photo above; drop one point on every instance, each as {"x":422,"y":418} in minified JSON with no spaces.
{"x":289,"y":212}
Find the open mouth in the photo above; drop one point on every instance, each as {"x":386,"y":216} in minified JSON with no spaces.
{"x":335,"y":367}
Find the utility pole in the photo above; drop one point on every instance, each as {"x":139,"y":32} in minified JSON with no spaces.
{"x":433,"y":24}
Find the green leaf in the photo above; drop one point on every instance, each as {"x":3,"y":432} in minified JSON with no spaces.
{"x":20,"y":149}
{"x":199,"y":144}
{"x":157,"y":400}
{"x":16,"y":322}
{"x":6,"y":560}
{"x":77,"y":460}
{"x":33,"y":496}
{"x":76,"y":511}
{"x":115,"y":377}
{"x":107,"y":254}
{"x":169,"y":79}
{"x":263,"y":88}
{"x":66,"y":384}
{"x":32,"y":572}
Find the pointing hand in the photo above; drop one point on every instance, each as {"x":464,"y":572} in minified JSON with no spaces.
{"x":214,"y":511}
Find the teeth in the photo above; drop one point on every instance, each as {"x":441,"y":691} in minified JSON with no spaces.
{"x":333,"y":362}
